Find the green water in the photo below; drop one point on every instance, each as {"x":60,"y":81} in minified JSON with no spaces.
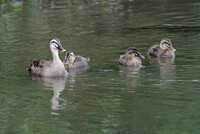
{"x":162,"y":97}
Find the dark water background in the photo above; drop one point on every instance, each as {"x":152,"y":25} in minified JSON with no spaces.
{"x":160,"y":98}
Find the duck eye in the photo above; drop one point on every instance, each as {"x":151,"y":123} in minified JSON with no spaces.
{"x":54,"y":43}
{"x":167,"y":44}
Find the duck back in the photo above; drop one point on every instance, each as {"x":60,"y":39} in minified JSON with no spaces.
{"x":38,"y":66}
{"x":125,"y":61}
{"x":156,"y":51}
{"x":79,"y":62}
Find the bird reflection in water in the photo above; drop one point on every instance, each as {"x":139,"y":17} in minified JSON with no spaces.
{"x":132,"y":74}
{"x":72,"y":74}
{"x":57,"y":84}
{"x":167,"y":73}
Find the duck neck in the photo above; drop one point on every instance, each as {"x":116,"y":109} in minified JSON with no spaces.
{"x":161,"y":46}
{"x":55,"y":55}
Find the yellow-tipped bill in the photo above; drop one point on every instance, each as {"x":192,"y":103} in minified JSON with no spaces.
{"x":63,"y":50}
{"x":174,"y":50}
{"x":66,"y":64}
{"x":141,"y":56}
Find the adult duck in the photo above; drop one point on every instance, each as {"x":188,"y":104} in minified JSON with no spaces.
{"x":49,"y":68}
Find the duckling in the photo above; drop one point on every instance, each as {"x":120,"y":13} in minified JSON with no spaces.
{"x":49,"y":68}
{"x":131,"y":58}
{"x":131,"y":48}
{"x":164,"y":50}
{"x":72,"y":61}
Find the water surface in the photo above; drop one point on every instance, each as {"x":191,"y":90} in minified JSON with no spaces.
{"x":160,"y":97}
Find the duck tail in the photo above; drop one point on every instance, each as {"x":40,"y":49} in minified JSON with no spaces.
{"x":34,"y":63}
{"x":88,"y":59}
{"x":29,"y":68}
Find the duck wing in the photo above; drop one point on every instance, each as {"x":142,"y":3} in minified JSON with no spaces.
{"x":154,"y":51}
{"x":38,"y":65}
{"x":80,"y":61}
{"x":122,"y":60}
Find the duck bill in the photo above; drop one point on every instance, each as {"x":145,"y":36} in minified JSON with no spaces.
{"x":61,"y":48}
{"x":172,"y":48}
{"x":141,"y":56}
{"x":66,"y":62}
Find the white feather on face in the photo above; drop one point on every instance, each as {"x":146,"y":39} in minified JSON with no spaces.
{"x":71,"y":57}
{"x":54,"y":43}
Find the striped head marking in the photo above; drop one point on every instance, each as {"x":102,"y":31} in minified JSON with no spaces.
{"x":69,"y":58}
{"x":55,"y":43}
{"x":166,"y":44}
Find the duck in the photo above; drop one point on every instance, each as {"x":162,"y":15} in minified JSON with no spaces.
{"x":49,"y":68}
{"x":71,"y":61}
{"x":164,"y":50}
{"x":131,"y":58}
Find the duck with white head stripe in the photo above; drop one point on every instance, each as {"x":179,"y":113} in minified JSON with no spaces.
{"x":49,"y":68}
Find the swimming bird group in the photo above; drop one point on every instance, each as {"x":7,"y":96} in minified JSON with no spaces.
{"x":131,"y":57}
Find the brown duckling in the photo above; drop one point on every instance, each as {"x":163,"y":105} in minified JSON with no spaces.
{"x":72,"y":61}
{"x":131,"y":58}
{"x":164,"y":50}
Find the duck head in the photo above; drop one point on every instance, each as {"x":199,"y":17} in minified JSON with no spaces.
{"x":133,"y":53}
{"x":131,"y":49}
{"x":166,"y":44}
{"x":69,"y":58}
{"x":56,"y":45}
